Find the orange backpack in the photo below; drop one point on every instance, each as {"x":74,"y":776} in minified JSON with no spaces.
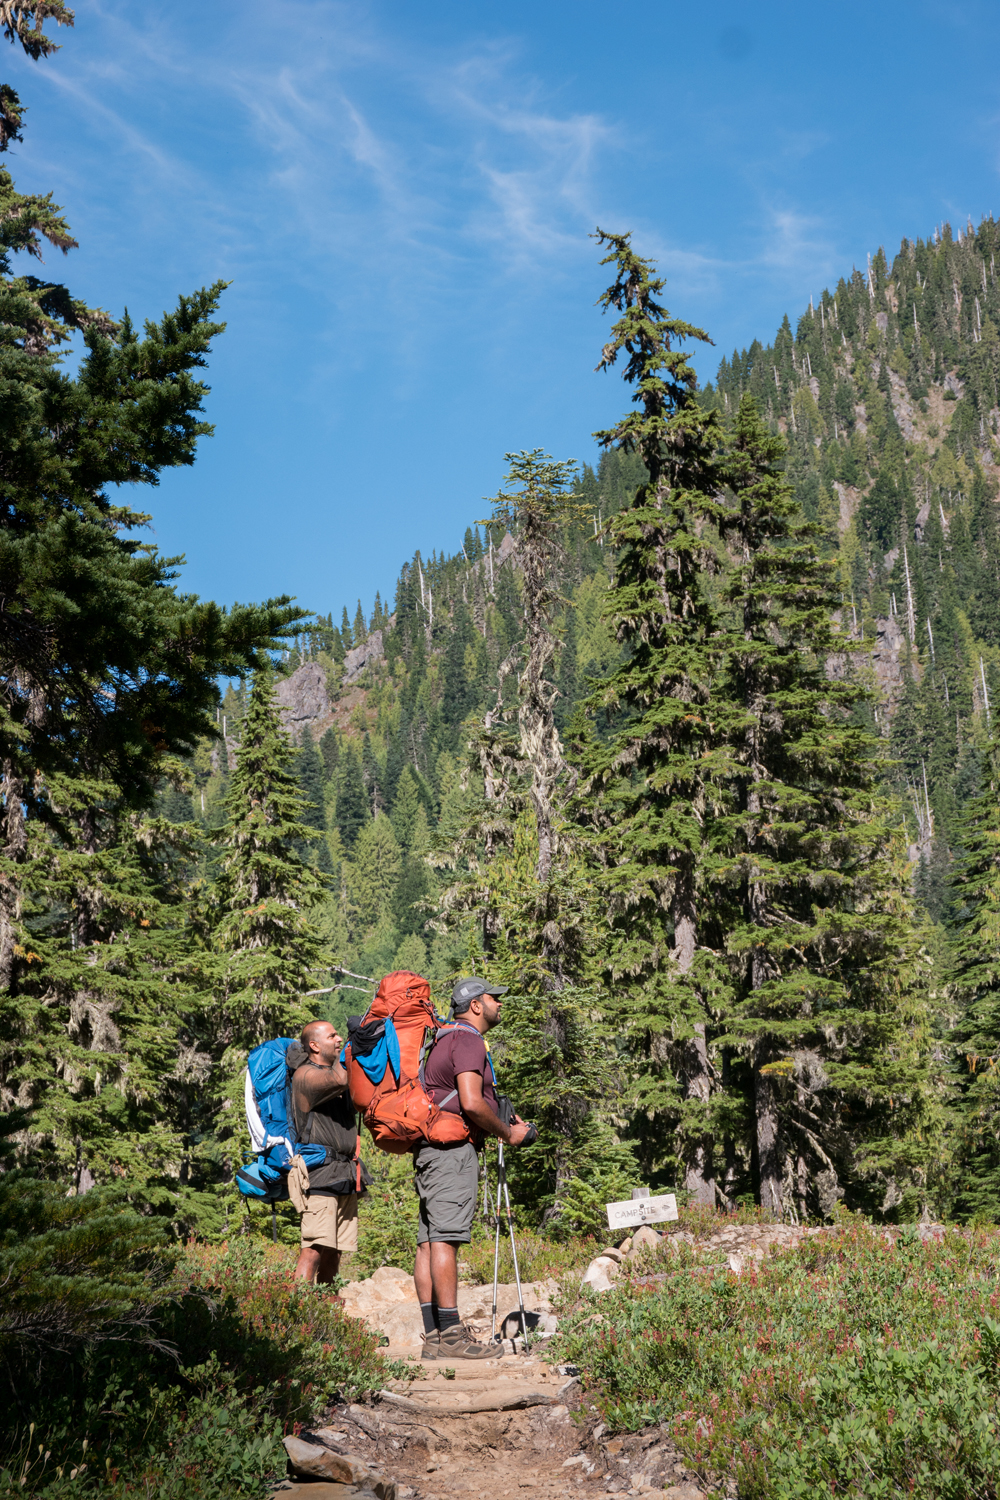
{"x":398,"y":1111}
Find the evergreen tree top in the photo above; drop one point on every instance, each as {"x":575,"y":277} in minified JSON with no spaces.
{"x":664,"y":379}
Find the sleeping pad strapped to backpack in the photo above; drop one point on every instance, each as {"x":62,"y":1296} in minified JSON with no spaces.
{"x":267,"y":1094}
{"x":385,"y":1071}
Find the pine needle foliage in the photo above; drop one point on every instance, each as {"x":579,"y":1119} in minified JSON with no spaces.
{"x":808,"y":880}
{"x":977,"y":988}
{"x":265,"y":947}
{"x":261,"y":928}
{"x":103,"y":663}
{"x":645,"y":791}
{"x":95,"y":1036}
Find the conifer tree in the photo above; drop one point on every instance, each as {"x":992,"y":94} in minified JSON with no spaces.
{"x":352,"y":800}
{"x":977,"y":982}
{"x":809,"y":905}
{"x":646,"y":792}
{"x":404,"y":808}
{"x":96,"y":1038}
{"x":261,"y":929}
{"x":103,"y":662}
{"x":375,"y":871}
{"x":536,"y":510}
{"x":309,"y":773}
{"x":329,"y":747}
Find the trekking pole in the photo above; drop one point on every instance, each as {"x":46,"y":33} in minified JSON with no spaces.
{"x":513,"y":1247}
{"x":503,"y":1204}
{"x":496,"y":1244}
{"x":274,"y":1223}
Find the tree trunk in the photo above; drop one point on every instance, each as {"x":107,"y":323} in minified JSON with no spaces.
{"x":15,"y":848}
{"x":699,"y":1180}
{"x":768,"y":1148}
{"x":765,"y":1089}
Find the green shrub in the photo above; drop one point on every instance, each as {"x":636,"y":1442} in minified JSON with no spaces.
{"x":138,"y":1369}
{"x":201,"y":1439}
{"x":75,"y":1272}
{"x":268,"y":1328}
{"x":852,"y":1365}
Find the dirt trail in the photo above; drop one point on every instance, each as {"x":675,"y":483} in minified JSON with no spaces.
{"x":493,"y":1428}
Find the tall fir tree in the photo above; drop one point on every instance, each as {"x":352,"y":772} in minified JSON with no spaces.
{"x":807,"y":886}
{"x":977,"y":986}
{"x":99,"y":1035}
{"x":353,"y":809}
{"x":267,"y":949}
{"x":309,"y":773}
{"x":645,"y":791}
{"x":108,"y":672}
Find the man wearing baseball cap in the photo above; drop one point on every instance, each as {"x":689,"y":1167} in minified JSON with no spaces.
{"x":459,"y":1077}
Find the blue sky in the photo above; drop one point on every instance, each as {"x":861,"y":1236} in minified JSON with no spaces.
{"x":402,"y":193}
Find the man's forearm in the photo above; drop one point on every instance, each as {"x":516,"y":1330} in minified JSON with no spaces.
{"x":320,"y":1084}
{"x":487,"y":1120}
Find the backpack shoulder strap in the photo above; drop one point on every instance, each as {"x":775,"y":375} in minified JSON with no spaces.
{"x":448,"y":1028}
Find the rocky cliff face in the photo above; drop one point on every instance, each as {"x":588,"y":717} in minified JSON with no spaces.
{"x":355,"y":661}
{"x":305,"y":701}
{"x":304,"y":697}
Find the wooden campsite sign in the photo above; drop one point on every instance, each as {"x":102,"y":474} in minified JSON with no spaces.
{"x":636,"y":1211}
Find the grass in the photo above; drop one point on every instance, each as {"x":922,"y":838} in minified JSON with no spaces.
{"x":857,"y":1364}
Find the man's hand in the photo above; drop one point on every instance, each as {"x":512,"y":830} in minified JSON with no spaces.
{"x":482,"y":1115}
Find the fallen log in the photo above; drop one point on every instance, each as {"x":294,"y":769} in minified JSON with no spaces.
{"x":478,"y":1404}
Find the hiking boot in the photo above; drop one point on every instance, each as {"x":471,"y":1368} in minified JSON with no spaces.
{"x":457,"y":1342}
{"x":431,"y":1342}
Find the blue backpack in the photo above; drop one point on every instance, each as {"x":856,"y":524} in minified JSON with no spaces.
{"x":267,"y":1093}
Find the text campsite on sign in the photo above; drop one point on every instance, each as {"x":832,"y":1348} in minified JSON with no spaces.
{"x":636,"y":1211}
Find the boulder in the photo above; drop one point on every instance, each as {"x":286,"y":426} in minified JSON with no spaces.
{"x":387,"y":1301}
{"x":601,"y":1273}
{"x":311,"y":1458}
{"x":643,"y":1239}
{"x":370,"y":650}
{"x":672,"y":1243}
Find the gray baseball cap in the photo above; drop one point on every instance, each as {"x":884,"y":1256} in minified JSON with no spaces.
{"x":471,"y":989}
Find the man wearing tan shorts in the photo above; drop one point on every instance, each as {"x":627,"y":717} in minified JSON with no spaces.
{"x":324,"y":1115}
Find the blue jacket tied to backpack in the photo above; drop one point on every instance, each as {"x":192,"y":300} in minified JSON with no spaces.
{"x":271,"y":1122}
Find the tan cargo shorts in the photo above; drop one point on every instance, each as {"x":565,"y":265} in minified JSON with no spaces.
{"x":330,"y":1221}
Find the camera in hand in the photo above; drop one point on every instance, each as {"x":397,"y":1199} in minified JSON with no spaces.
{"x":508,"y":1114}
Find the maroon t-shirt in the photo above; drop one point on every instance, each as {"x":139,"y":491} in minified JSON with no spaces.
{"x":460,"y":1051}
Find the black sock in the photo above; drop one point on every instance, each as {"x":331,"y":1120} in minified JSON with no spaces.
{"x":447,"y":1318}
{"x":427,"y":1311}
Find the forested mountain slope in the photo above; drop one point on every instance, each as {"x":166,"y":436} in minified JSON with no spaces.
{"x":377,"y":709}
{"x":887,"y":395}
